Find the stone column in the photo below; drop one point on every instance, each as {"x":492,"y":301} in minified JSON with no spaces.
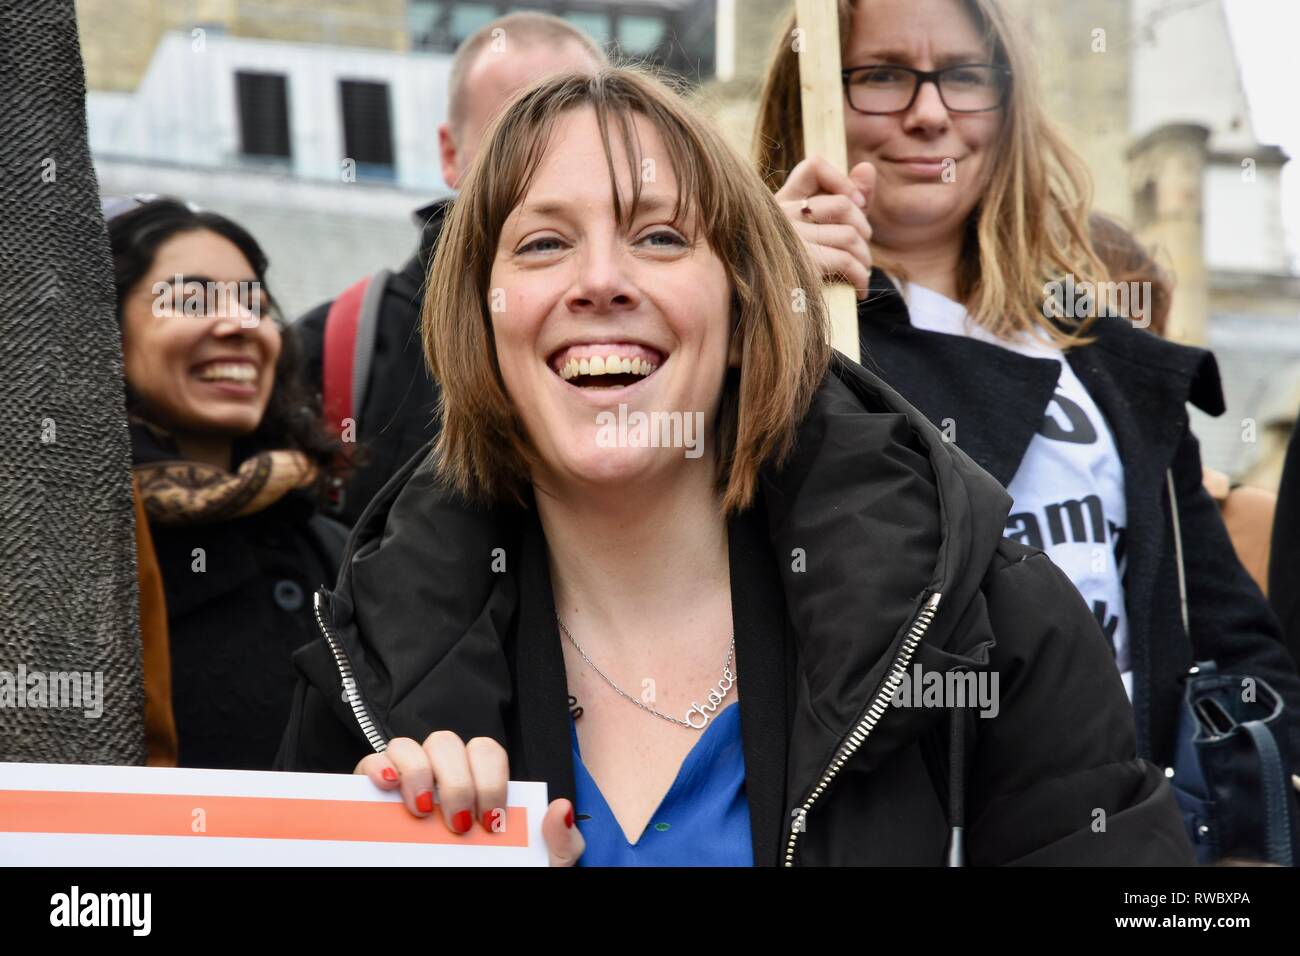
{"x":68,"y":595}
{"x":1167,"y":169}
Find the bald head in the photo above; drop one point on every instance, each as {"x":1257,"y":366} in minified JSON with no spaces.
{"x":507,"y":55}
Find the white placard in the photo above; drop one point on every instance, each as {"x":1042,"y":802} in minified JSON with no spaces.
{"x":75,"y":815}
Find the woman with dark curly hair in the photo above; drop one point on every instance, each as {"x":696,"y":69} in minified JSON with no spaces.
{"x":230,"y":465}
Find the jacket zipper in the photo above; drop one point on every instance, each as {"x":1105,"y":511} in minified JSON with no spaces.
{"x":350,"y":692}
{"x":876,"y":710}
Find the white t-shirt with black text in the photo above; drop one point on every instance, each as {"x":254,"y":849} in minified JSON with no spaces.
{"x":1069,"y":490}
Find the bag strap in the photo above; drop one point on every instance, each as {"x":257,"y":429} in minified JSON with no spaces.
{"x":1273,"y":780}
{"x":337,"y":361}
{"x":349,"y":348}
{"x":1178,"y":550}
{"x":351,"y":326}
{"x":364,"y":346}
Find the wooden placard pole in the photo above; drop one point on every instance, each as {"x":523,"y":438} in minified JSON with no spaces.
{"x":822,"y":97}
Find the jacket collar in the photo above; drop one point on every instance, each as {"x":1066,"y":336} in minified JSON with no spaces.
{"x":959,"y":383}
{"x":1169,"y":370}
{"x":995,"y":398}
{"x":429,"y":218}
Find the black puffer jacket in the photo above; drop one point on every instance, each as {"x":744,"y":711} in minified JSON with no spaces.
{"x":901,"y":563}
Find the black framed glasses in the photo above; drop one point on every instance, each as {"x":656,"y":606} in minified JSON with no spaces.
{"x":967,"y":88}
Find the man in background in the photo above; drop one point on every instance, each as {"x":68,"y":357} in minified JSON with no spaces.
{"x":397,"y":397}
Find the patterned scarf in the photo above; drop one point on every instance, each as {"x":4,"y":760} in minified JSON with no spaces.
{"x":176,"y":491}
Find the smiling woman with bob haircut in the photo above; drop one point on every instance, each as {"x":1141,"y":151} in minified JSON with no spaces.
{"x":699,"y":655}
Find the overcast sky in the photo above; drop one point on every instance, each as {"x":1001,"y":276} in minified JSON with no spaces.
{"x":1265,"y":34}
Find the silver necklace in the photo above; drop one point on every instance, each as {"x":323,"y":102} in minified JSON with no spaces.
{"x":702,"y":712}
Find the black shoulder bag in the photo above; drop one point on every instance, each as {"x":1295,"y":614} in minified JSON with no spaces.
{"x":1231,"y":777}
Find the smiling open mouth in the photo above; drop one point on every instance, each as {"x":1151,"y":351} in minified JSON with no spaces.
{"x":238,"y":373}
{"x":605,"y":366}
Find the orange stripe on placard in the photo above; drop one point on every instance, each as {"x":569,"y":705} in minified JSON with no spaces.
{"x":267,"y":818}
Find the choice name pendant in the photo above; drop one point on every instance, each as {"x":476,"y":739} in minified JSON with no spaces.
{"x":705,"y":712}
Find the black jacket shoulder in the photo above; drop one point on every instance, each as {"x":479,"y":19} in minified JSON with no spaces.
{"x":1056,"y":779}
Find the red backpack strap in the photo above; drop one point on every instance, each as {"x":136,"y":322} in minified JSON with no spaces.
{"x":339,"y":350}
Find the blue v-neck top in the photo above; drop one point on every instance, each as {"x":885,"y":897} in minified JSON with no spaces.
{"x":703,"y":819}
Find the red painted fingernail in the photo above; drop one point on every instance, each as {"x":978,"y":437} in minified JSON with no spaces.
{"x":424,"y":801}
{"x":389,"y":774}
{"x":490,"y":819}
{"x":568,"y":818}
{"x":462,"y":821}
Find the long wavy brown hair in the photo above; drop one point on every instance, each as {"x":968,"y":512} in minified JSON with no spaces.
{"x":1031,"y":226}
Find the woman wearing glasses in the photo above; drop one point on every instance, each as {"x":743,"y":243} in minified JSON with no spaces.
{"x":964,"y":226}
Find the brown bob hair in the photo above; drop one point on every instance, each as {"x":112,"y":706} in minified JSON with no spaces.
{"x":778,"y":313}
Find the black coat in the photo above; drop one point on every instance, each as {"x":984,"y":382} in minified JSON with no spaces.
{"x":997,"y":399}
{"x":1284,"y":555}
{"x":891,"y":520}
{"x":398,"y":408}
{"x":234,"y":622}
